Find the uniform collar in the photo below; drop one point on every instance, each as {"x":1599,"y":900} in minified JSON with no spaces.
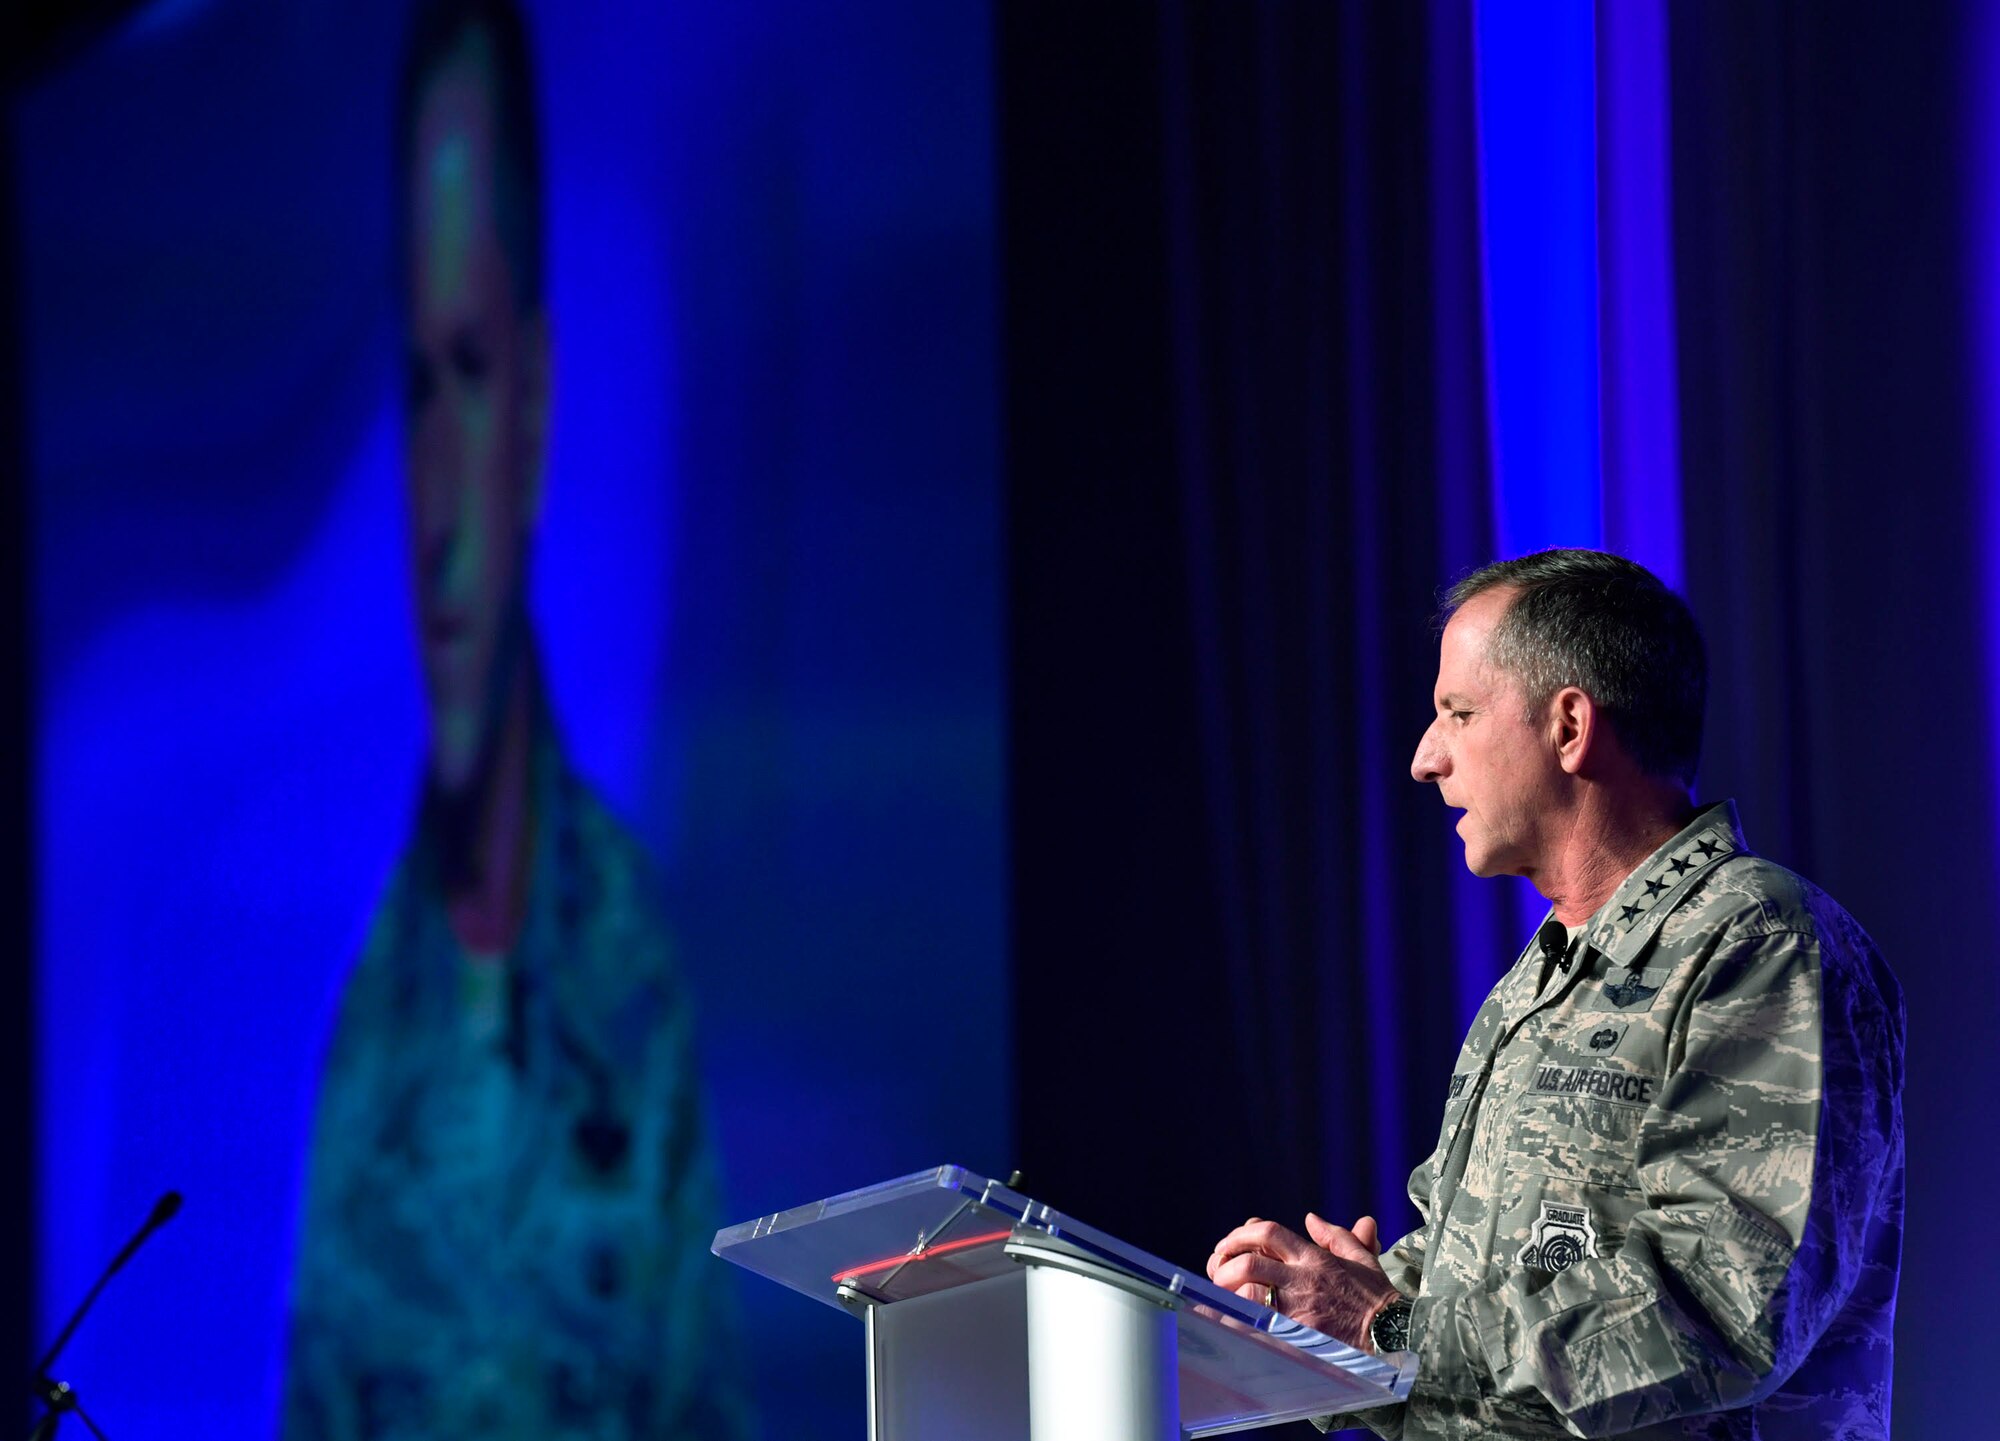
{"x":1624,"y":924}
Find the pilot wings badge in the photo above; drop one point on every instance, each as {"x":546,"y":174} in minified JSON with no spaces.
{"x":1561,"y":1237}
{"x":1629,"y":992}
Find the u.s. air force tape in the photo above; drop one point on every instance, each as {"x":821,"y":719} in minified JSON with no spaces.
{"x":1598,"y":1081}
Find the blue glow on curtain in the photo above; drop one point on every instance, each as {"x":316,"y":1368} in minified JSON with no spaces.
{"x":1582,"y":396}
{"x":1641,"y":395}
{"x":1582,"y":393}
{"x":1984,"y":274}
{"x":1536,"y":100}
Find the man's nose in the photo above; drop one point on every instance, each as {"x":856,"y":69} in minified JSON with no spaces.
{"x":435,"y":521}
{"x":1429,"y":762}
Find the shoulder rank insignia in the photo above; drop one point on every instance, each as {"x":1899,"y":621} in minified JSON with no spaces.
{"x":1628,"y":993}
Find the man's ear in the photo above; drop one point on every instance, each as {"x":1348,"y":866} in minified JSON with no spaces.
{"x":1574,"y":723}
{"x":537,"y":381}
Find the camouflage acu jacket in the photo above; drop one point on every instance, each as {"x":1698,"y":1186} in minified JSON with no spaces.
{"x":511,"y":1192}
{"x":1667,"y":1193}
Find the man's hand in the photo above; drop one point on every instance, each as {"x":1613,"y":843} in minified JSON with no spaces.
{"x":1332,"y":1283}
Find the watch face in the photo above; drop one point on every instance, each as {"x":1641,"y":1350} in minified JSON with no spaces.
{"x":1391,"y":1330}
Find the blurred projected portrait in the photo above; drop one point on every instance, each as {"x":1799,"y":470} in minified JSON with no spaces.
{"x":510,"y":1198}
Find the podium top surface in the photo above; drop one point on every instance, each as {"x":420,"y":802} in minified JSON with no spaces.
{"x":1241,"y":1363}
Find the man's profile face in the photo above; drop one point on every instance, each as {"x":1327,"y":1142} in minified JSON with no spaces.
{"x":474,"y":424}
{"x":1483,"y":753}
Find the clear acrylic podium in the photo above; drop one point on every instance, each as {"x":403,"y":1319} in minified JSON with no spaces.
{"x":991,"y":1317}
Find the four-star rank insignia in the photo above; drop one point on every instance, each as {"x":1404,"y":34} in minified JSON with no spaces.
{"x":1675,"y":867}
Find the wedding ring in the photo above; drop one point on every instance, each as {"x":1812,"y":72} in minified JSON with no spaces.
{"x":1271,"y":1298}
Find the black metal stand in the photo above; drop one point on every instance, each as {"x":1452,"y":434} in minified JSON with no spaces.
{"x":58,"y":1398}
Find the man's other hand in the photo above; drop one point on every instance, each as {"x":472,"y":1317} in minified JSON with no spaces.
{"x":1332,"y":1283}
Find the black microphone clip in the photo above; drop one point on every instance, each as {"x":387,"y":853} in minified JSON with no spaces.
{"x":1553,"y":938}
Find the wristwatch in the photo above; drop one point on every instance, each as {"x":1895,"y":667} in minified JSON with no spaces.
{"x":1390,"y":1330}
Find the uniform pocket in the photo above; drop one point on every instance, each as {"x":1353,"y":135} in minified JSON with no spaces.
{"x":1571,"y":1186}
{"x":1739,"y":1266}
{"x":1575,"y":1138}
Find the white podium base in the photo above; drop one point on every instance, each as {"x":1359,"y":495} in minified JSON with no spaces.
{"x":1102,"y":1362}
{"x":1048,"y":1352}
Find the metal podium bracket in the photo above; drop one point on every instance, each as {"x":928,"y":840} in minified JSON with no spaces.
{"x":1043,"y":1253}
{"x":854,"y":1298}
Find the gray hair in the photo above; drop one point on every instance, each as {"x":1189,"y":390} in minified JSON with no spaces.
{"x":1611,"y":628}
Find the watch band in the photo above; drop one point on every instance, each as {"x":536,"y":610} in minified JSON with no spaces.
{"x":1390,"y":1330}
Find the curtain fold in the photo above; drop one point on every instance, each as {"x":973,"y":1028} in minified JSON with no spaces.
{"x":1308,"y":232}
{"x":1823,"y":189}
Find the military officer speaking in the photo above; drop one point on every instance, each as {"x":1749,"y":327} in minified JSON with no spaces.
{"x":1666,"y":1197}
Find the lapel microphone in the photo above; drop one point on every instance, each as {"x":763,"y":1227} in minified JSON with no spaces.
{"x":1553,"y":938}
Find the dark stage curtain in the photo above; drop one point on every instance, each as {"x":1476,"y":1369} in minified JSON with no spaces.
{"x":1247,"y":443}
{"x":1832,"y":505}
{"x":18,"y":1041}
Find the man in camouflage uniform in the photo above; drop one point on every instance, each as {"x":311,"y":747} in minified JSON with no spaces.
{"x":510,"y":1194}
{"x":1666,"y":1198}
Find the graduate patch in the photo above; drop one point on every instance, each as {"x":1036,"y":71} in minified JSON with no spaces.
{"x":1561,"y":1237}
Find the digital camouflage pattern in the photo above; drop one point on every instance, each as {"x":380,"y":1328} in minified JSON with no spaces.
{"x":511,"y":1195}
{"x":1667,"y":1194}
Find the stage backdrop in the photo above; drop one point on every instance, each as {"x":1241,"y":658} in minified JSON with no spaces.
{"x":766,"y":586}
{"x":1308,"y":307}
{"x":1314,"y":307}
